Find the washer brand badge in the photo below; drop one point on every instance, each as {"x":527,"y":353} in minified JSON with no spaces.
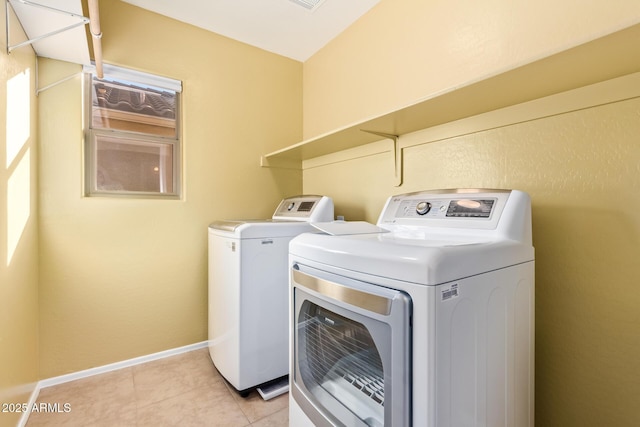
{"x":451,"y":292}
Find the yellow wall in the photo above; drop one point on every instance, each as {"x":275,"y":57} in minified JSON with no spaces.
{"x":124,"y":278}
{"x":404,"y":51}
{"x":18,"y":223}
{"x":580,"y":168}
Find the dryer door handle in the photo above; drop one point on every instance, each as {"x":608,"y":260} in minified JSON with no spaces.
{"x":370,"y":302}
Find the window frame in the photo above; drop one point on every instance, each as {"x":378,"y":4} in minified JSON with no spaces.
{"x":91,"y":136}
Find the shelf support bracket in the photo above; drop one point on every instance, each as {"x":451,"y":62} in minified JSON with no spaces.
{"x":83,"y":21}
{"x":397,"y":154}
{"x":276,"y":163}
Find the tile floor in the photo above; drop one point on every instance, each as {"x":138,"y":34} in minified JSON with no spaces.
{"x":183,"y":390}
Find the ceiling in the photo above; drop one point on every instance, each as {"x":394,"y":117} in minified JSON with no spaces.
{"x":280,"y":26}
{"x":284,"y":27}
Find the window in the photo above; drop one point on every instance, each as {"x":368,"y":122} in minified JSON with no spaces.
{"x":133,"y":134}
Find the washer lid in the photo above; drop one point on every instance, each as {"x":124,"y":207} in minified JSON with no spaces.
{"x":258,"y":228}
{"x":232,"y":225}
{"x":425,"y":262}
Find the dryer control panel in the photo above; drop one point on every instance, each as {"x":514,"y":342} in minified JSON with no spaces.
{"x":453,"y":209}
{"x":446,"y":208}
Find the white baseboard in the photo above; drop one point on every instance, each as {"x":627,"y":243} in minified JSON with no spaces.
{"x":49,"y":382}
{"x":32,"y":401}
{"x":120,"y":365}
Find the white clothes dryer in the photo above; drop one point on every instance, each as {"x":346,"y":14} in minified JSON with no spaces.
{"x":426,"y":321}
{"x":248,"y":282}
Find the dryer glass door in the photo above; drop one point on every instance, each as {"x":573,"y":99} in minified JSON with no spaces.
{"x":352,"y":364}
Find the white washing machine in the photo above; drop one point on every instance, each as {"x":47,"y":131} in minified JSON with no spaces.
{"x":248,"y":283}
{"x":426,"y":319}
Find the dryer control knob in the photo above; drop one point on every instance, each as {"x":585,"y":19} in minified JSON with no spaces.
{"x":423,"y":207}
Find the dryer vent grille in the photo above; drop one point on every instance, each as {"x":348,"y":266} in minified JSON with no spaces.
{"x":308,"y":4}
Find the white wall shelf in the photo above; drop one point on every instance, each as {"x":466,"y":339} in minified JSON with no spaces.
{"x":605,"y":58}
{"x":54,"y":30}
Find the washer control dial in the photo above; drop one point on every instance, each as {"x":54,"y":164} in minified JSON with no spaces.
{"x":423,"y":207}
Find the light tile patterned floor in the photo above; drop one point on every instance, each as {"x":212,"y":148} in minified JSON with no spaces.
{"x":183,"y":390}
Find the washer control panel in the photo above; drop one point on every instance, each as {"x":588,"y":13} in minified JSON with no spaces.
{"x":305,"y":208}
